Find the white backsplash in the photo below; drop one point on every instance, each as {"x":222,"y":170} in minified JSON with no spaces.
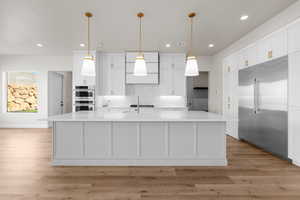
{"x":157,"y":101}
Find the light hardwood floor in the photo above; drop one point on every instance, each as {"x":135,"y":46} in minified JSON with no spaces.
{"x":26,"y":173}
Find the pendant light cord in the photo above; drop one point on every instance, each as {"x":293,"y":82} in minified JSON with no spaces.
{"x":140,"y":36}
{"x":88,"y":44}
{"x":191,"y":36}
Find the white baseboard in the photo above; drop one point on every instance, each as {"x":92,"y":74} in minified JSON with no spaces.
{"x":19,"y":124}
{"x":119,"y":162}
{"x":297,"y":163}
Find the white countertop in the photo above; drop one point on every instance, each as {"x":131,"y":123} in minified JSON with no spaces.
{"x":153,"y":116}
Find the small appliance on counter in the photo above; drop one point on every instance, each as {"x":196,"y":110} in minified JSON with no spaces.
{"x":84,"y":98}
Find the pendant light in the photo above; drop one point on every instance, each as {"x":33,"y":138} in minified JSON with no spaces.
{"x":88,"y":66}
{"x":140,"y":64}
{"x":191,"y":68}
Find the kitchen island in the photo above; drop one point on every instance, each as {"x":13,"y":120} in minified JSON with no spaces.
{"x":160,"y":138}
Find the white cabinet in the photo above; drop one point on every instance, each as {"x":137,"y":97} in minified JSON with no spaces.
{"x":230,"y":93}
{"x":172,"y":79}
{"x":68,"y":137}
{"x":111,"y":74}
{"x":293,"y":31}
{"x":273,"y":46}
{"x":78,"y":79}
{"x":248,"y":56}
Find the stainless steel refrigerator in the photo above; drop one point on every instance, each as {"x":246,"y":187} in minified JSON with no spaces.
{"x":263,"y":116}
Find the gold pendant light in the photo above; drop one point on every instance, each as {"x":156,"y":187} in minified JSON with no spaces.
{"x":191,"y":68}
{"x":140,"y":68}
{"x":88,"y":65}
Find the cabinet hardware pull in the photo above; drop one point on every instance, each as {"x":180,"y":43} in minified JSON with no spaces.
{"x":270,"y":54}
{"x":246,"y":63}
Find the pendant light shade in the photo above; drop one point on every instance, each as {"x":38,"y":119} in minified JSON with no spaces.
{"x":88,"y":64}
{"x":191,"y":68}
{"x":140,"y":68}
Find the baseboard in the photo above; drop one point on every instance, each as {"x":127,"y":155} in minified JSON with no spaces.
{"x":23,"y":125}
{"x":208,"y":163}
{"x":297,"y":163}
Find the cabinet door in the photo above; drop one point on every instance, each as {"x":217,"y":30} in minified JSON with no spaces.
{"x":178,"y":79}
{"x":68,"y":140}
{"x":117,"y":75}
{"x":248,"y":56}
{"x":273,"y":46}
{"x":230,"y":93}
{"x":165,"y":86}
{"x":294,"y":81}
{"x":293,"y":32}
{"x":97,"y":137}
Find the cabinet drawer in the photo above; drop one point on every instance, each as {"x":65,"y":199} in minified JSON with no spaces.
{"x":149,"y":79}
{"x":149,"y":56}
{"x":151,"y":67}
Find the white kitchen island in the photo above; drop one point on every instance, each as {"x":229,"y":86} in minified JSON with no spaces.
{"x":161,"y":138}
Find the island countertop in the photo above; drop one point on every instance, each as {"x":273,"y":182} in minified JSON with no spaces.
{"x":154,"y":116}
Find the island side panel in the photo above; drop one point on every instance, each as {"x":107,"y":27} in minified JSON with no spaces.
{"x":140,"y":143}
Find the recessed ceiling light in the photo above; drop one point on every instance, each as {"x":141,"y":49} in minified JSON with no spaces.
{"x":39,"y":45}
{"x":244,"y":17}
{"x":82,"y":45}
{"x":211,"y":45}
{"x":168,"y":45}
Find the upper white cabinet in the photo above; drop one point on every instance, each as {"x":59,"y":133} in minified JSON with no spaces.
{"x":152,"y":64}
{"x":248,"y":56}
{"x":293,"y":31}
{"x":172,"y":79}
{"x":111,"y":74}
{"x":273,"y":46}
{"x":78,"y":79}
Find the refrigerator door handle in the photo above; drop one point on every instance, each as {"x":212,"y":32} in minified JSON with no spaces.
{"x":254,"y":96}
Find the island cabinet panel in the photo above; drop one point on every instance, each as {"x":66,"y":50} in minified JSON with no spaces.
{"x":211,"y":142}
{"x":125,"y":139}
{"x":153,"y":140}
{"x":68,"y":140}
{"x":181,"y":139}
{"x":97,"y":139}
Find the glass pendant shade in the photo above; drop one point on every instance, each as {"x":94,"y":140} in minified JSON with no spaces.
{"x":191,"y":68}
{"x":140,"y":68}
{"x":88,"y":66}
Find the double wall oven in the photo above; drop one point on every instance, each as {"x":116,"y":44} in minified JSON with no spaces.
{"x":84,"y":98}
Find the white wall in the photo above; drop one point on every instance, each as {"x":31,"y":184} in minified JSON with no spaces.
{"x":40,"y":64}
{"x":285,"y":17}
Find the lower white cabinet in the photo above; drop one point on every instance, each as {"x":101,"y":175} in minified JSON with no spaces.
{"x":69,"y":142}
{"x":97,"y":139}
{"x":139,"y":143}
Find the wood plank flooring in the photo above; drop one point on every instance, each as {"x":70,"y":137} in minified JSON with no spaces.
{"x":26,"y":174}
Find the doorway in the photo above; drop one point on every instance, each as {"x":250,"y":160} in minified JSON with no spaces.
{"x":59,"y":93}
{"x":197,"y":92}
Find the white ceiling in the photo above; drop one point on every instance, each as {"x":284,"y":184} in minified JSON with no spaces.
{"x":61,"y":27}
